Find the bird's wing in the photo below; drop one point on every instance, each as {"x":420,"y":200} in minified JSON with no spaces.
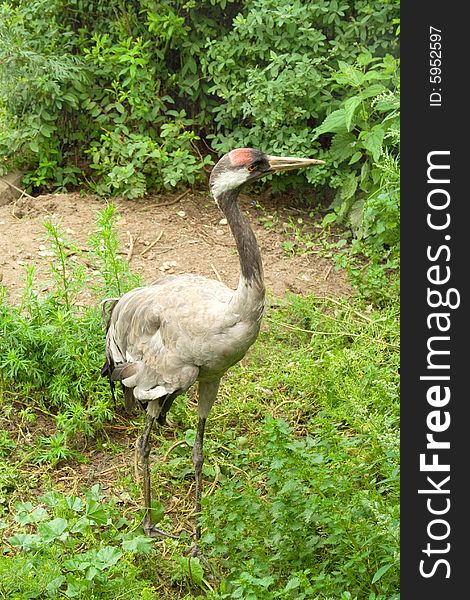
{"x":161,"y":338}
{"x":136,"y":352}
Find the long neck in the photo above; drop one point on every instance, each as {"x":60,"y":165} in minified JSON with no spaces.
{"x":248,"y":251}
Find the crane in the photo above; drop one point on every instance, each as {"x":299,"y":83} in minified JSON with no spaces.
{"x":183,"y":329}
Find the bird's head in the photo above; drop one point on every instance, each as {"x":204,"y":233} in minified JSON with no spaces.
{"x":244,"y":165}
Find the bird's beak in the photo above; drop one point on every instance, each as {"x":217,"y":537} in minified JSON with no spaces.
{"x":286,"y":163}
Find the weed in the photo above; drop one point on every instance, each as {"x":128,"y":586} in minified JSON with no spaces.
{"x":52,"y":350}
{"x":321,"y":472}
{"x":77,"y":546}
{"x":300,"y":240}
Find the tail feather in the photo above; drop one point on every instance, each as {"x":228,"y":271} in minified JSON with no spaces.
{"x":129,"y":400}
{"x":124,"y":371}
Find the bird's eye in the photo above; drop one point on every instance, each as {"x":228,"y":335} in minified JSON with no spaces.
{"x":254,"y":166}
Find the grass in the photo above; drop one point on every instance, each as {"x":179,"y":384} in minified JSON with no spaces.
{"x":301,"y":489}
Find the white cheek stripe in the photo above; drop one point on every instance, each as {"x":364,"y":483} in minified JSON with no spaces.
{"x":229,"y":180}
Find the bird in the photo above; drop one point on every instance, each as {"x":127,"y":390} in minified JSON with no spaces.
{"x":184,"y":329}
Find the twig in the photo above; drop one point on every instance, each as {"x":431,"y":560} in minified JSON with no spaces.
{"x":172,"y":447}
{"x":13,"y":208}
{"x":356,"y":312}
{"x":176,"y":200}
{"x":283,"y":403}
{"x":73,"y":255}
{"x":287,"y":326}
{"x":111,"y":469}
{"x":209,"y":239}
{"x":23,"y":193}
{"x":216,"y":273}
{"x":169,"y":248}
{"x":216,"y":479}
{"x":345,"y":333}
{"x":328,"y":271}
{"x":159,"y":237}
{"x":131,"y":247}
{"x":123,"y":427}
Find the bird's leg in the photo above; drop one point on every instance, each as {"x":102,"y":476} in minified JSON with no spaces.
{"x":143,"y":448}
{"x":198,"y":461}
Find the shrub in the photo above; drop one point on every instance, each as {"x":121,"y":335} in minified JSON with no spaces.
{"x":128,"y":89}
{"x":81,"y":104}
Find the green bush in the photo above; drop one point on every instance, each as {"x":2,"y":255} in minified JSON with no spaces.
{"x":85,"y":95}
{"x":41,"y":80}
{"x":365,"y":150}
{"x":93,"y":83}
{"x":272,"y":71}
{"x":365,"y":145}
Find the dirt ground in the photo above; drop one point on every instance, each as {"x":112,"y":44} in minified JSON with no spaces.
{"x":174,"y":233}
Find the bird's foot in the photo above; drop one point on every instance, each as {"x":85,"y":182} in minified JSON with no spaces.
{"x":165,"y":421}
{"x":152,"y":531}
{"x":195,"y":552}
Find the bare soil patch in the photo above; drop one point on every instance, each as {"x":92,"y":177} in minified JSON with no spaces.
{"x":174,"y":233}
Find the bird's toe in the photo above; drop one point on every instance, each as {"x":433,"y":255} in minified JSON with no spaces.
{"x":152,"y":531}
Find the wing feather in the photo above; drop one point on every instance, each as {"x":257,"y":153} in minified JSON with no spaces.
{"x":162,"y":337}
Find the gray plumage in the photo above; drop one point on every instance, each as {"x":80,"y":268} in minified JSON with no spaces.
{"x":183,"y":329}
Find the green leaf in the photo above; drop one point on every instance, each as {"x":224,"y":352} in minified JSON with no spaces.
{"x":356,"y":217}
{"x":73,"y":100}
{"x":350,"y":107}
{"x":365,"y":172}
{"x":108,"y":556}
{"x":381,"y":572}
{"x":355,"y":157}
{"x":32,"y":516}
{"x":329,"y":218}
{"x":54,"y":585}
{"x":334,"y":122}
{"x":46,"y":129}
{"x":389,"y":102}
{"x":348,"y":189}
{"x":373,"y":90}
{"x":96,"y":512}
{"x":79,"y":562}
{"x":138,"y":544}
{"x":292,"y":584}
{"x":93,"y":572}
{"x":24,"y":540}
{"x":349,"y":75}
{"x":343,"y":145}
{"x":75,"y":503}
{"x":52,"y":530}
{"x":372,"y":140}
{"x":192,"y":568}
{"x":46,"y":115}
{"x":364,"y":59}
{"x":76,"y":587}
